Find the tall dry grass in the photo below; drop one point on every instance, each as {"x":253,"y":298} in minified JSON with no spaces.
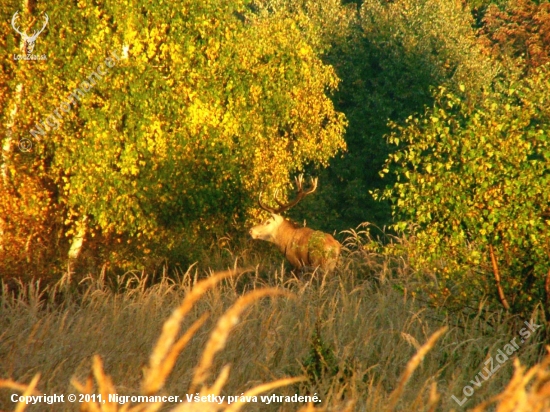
{"x":355,"y":338}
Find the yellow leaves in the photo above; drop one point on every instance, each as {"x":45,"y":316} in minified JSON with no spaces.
{"x":137,"y":48}
{"x":255,"y":92}
{"x":131,"y":37}
{"x":213,"y":49}
{"x":200,"y":115}
{"x":244,"y":102}
{"x":151,"y":50}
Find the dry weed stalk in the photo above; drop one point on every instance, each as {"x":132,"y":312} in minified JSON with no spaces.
{"x":27,"y":390}
{"x":219,"y":335}
{"x":164,"y":356}
{"x":412,"y":365}
{"x":434,"y":398}
{"x":410,"y":340}
{"x":105,"y":387}
{"x":263,"y":388}
{"x":8,"y":383}
{"x":526,"y":392}
{"x":165,"y":352}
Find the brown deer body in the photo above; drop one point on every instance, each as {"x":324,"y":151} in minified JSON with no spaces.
{"x":303,"y":247}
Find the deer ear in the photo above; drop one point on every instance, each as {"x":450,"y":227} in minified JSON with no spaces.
{"x":276,"y":217}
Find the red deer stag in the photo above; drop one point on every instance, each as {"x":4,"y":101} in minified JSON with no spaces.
{"x":302,"y":246}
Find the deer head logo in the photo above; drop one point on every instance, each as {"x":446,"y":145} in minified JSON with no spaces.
{"x":28,"y":40}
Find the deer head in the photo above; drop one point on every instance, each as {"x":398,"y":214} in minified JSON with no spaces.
{"x":29,"y":41}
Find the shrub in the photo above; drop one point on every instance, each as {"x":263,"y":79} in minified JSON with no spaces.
{"x":475,"y":181}
{"x":201,"y":109}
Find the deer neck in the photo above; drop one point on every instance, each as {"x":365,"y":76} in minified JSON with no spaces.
{"x":284,"y":236}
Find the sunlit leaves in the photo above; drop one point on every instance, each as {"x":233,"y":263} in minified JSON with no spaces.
{"x":475,"y":177}
{"x":517,"y":32}
{"x":201,"y":111}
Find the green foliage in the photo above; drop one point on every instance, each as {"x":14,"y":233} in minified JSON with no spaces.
{"x":389,"y":55}
{"x":202,"y":109}
{"x":475,"y":179}
{"x":320,"y":361}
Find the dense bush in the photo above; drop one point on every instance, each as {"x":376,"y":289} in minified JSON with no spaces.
{"x":518,"y":32}
{"x":475,"y":181}
{"x":388,"y":55}
{"x":202,"y":109}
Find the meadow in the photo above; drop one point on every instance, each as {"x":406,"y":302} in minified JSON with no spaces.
{"x":356,"y":339}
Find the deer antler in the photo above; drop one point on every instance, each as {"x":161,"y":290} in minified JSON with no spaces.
{"x":37,"y":33}
{"x":13,"y":19}
{"x":300,"y":194}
